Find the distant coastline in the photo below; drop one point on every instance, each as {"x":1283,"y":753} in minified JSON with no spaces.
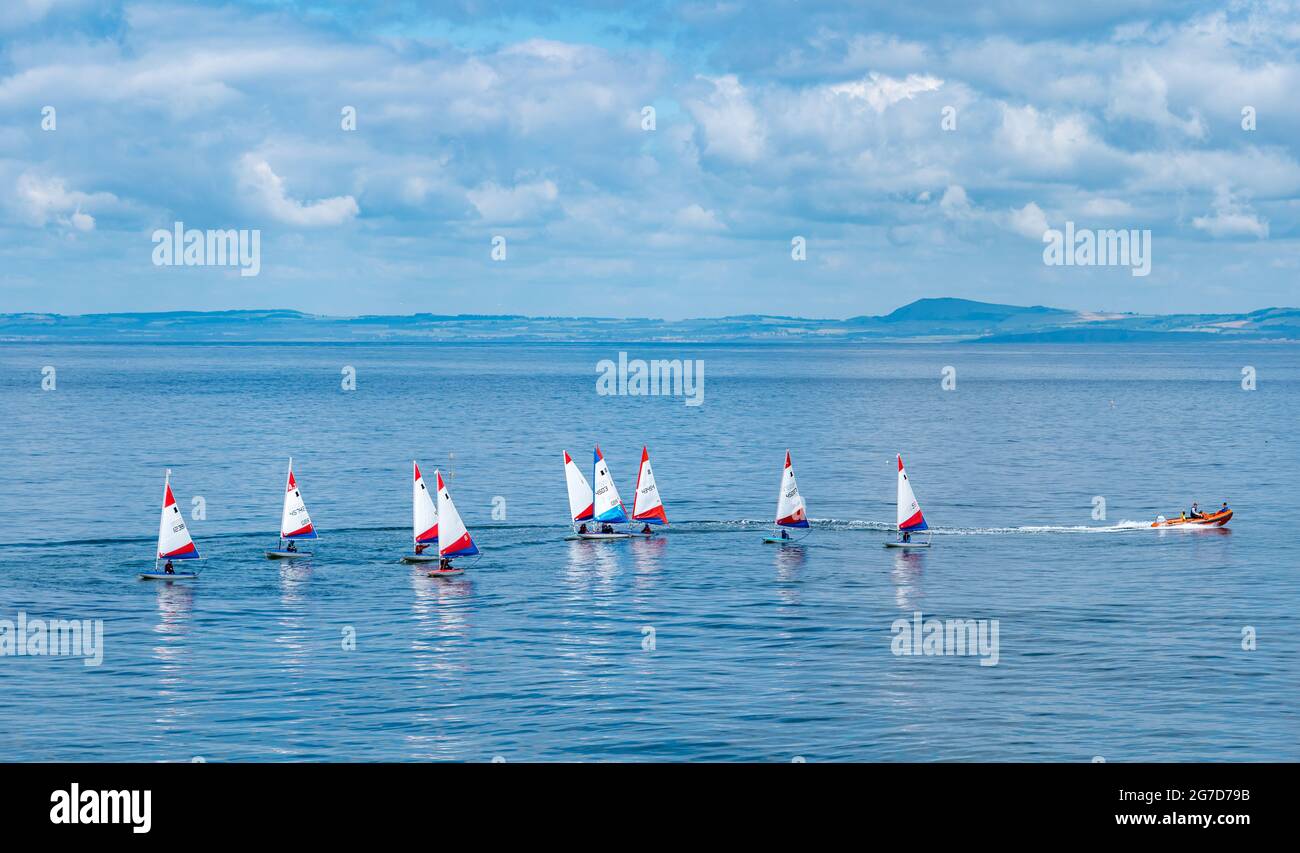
{"x":925,"y":320}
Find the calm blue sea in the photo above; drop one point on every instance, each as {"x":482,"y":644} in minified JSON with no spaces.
{"x":1114,"y":640}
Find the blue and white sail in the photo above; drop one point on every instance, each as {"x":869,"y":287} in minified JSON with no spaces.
{"x":608,"y":506}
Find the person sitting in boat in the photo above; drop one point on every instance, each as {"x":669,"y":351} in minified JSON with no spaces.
{"x":1182,"y":516}
{"x":293,"y":548}
{"x":907,"y":536}
{"x":646,"y":531}
{"x":1224,"y":508}
{"x":583,"y":528}
{"x":444,"y":565}
{"x":1196,"y":511}
{"x":785,"y":534}
{"x":607,"y":528}
{"x":168,"y":568}
{"x":419,"y":548}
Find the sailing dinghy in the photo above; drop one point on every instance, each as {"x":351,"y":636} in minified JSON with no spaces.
{"x":790,"y":510}
{"x":453,"y":539}
{"x":424,"y":529}
{"x":582,"y":507}
{"x":647,"y":506}
{"x":295,"y":523}
{"x":174,"y":542}
{"x":607,"y":506}
{"x":910,"y":518}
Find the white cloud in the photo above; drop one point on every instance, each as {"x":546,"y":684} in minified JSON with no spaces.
{"x":496,"y":203}
{"x":82,"y":221}
{"x":266,"y":188}
{"x":733,"y":129}
{"x":1140,"y":92}
{"x":880,"y":91}
{"x":1231,"y":219}
{"x":955,"y":204}
{"x":696,"y":218}
{"x":1107,"y":208}
{"x":41,"y":200}
{"x":1028,"y":221}
{"x":1041,"y":139}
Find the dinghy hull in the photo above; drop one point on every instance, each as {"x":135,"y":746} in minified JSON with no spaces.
{"x":287,"y":555}
{"x":163,"y":576}
{"x":420,"y":558}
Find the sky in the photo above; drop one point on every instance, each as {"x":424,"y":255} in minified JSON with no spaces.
{"x":911,"y":150}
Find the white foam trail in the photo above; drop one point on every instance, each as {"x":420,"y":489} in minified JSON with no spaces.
{"x":858,"y":524}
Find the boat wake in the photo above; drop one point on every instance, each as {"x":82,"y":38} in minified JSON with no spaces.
{"x":856,"y":524}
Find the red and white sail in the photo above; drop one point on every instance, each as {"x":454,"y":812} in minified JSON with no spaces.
{"x":295,"y":523}
{"x":909,"y":511}
{"x":453,"y":539}
{"x":425,"y":515}
{"x":789,"y":503}
{"x":174,"y":542}
{"x":608,"y":506}
{"x":647,"y":506}
{"x":581,"y":502}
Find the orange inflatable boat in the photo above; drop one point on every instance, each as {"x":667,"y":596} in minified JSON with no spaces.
{"x":1214,"y":519}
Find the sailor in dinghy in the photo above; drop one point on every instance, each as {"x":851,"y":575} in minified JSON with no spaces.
{"x":454,"y":540}
{"x":174,"y":542}
{"x":582,"y":508}
{"x":295,"y":523}
{"x":607,"y":506}
{"x":647,"y":506}
{"x":424,"y":521}
{"x":790,"y":510}
{"x":910,"y":518}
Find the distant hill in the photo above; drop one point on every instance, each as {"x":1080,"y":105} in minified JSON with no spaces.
{"x":941,"y":319}
{"x":948,"y":309}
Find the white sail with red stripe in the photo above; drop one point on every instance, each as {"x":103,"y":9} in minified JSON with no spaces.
{"x":174,"y":542}
{"x":647,"y":506}
{"x":425,"y":515}
{"x":295,"y":523}
{"x":910,"y":518}
{"x":453,"y":540}
{"x":581,"y":502}
{"x":790,"y":510}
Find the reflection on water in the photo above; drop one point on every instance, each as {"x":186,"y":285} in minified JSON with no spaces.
{"x":789,"y":561}
{"x":589,"y":574}
{"x":593,"y":561}
{"x":294,"y":588}
{"x":441,"y":610}
{"x":175,"y":608}
{"x":647,"y":560}
{"x":906,"y":575}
